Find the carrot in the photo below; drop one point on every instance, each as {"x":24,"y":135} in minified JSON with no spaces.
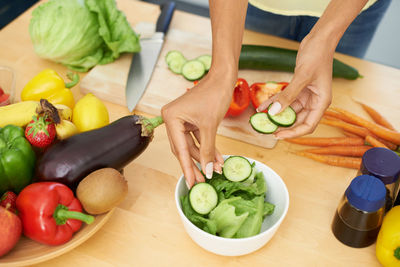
{"x":375,"y":128}
{"x":352,"y":151}
{"x":356,"y":131}
{"x":389,"y":144}
{"x":348,"y":134}
{"x":371,"y":140}
{"x":327,"y":141}
{"x":376,"y":117}
{"x":360,"y":131}
{"x":347,"y":162}
{"x":337,"y":115}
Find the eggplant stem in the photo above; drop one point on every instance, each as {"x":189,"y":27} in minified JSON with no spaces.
{"x":149,"y":124}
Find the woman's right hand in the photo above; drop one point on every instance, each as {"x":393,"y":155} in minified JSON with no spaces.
{"x":194,"y":118}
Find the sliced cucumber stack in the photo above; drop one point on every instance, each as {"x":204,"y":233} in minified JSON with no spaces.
{"x":193,"y":70}
{"x":203,"y":198}
{"x":262,"y":124}
{"x":175,"y":61}
{"x":237,"y":169}
{"x":206,"y":60}
{"x":285,"y":119}
{"x":267,"y":124}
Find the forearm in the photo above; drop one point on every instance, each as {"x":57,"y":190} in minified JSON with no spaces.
{"x":227,"y":23}
{"x":336,"y":18}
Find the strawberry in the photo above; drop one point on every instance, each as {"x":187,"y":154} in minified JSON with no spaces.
{"x":4,"y":99}
{"x":40,"y":132}
{"x":8,"y":201}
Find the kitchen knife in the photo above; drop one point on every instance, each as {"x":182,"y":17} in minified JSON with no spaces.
{"x":143,"y":63}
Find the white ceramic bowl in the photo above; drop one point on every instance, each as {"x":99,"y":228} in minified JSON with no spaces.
{"x":277,"y":194}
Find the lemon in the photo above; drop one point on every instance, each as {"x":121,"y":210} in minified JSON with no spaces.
{"x":90,"y":113}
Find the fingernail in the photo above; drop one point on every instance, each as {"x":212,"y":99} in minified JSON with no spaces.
{"x":274,"y":109}
{"x":187,"y":184}
{"x":218,"y":171}
{"x":209,"y":170}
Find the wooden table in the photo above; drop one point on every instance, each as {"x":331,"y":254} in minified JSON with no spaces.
{"x":145,"y":230}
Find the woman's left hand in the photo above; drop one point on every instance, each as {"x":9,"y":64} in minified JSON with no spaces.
{"x":310,"y":90}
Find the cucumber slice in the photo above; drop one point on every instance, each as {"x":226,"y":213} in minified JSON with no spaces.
{"x":237,"y":169}
{"x":193,"y":70}
{"x":203,"y":198}
{"x":262,"y":124}
{"x":173,"y":55}
{"x":206,"y":60}
{"x":176,"y":65}
{"x":285,"y":119}
{"x":250,"y":180}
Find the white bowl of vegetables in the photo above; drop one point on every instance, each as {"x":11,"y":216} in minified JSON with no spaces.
{"x":236,"y":212}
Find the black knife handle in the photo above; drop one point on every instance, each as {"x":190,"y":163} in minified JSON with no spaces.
{"x":167,"y":10}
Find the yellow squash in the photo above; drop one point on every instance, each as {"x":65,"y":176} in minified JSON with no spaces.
{"x":90,"y":113}
{"x":49,"y":85}
{"x":388,"y":242}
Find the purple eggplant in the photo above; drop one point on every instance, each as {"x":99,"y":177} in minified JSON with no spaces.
{"x":114,"y":146}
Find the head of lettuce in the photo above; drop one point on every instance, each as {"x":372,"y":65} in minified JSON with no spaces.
{"x":81,"y":33}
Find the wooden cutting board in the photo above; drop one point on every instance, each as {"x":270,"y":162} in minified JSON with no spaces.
{"x":108,"y":82}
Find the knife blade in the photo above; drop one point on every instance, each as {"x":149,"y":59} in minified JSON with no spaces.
{"x":143,"y":63}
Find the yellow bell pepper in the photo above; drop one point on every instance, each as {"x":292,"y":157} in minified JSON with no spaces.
{"x":49,"y":85}
{"x":388,"y":242}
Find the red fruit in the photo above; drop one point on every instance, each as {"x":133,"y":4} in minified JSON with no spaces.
{"x":8,"y":201}
{"x":10,"y":230}
{"x":40,"y":132}
{"x":4,"y":99}
{"x":1,"y":91}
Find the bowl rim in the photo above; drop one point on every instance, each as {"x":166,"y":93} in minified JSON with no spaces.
{"x":257,"y":236}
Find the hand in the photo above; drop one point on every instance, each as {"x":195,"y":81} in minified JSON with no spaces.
{"x":310,"y":90}
{"x":194,"y":117}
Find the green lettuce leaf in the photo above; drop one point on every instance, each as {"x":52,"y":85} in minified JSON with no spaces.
{"x":252,"y":225}
{"x":226,"y":219}
{"x":197,"y":219}
{"x":81,"y":33}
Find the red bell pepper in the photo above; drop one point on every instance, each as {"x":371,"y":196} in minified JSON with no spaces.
{"x":240,"y":99}
{"x":260,"y":92}
{"x":50,"y":213}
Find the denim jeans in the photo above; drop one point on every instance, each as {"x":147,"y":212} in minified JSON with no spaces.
{"x":354,"y":42}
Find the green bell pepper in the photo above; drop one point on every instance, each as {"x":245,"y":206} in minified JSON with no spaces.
{"x":17,"y":159}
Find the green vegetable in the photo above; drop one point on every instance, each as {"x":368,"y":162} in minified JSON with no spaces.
{"x":81,"y":33}
{"x":228,"y":223}
{"x":259,"y":57}
{"x":240,"y":211}
{"x":17,"y":159}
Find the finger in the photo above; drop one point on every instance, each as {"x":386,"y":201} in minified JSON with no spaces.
{"x":193,"y":149}
{"x":197,"y":173}
{"x":297,"y":106}
{"x":218,"y":160}
{"x":300,"y":118}
{"x":287,"y":96}
{"x":207,"y":149}
{"x":177,"y":133}
{"x":308,"y":126}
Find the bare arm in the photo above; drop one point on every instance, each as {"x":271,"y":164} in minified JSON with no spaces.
{"x":310,"y":90}
{"x":195,"y":116}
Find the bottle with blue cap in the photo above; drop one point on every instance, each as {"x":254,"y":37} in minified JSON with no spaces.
{"x":360,"y":213}
{"x":383,"y":164}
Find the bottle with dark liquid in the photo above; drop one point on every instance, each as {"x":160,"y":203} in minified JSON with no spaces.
{"x":360,"y":213}
{"x":383,"y":164}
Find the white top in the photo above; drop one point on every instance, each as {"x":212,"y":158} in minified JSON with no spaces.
{"x":297,"y":7}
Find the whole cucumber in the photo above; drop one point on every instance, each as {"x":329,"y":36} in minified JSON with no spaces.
{"x":257,"y":57}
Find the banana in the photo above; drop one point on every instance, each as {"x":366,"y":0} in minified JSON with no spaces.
{"x":19,"y":114}
{"x":64,"y":111}
{"x":65,"y":129}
